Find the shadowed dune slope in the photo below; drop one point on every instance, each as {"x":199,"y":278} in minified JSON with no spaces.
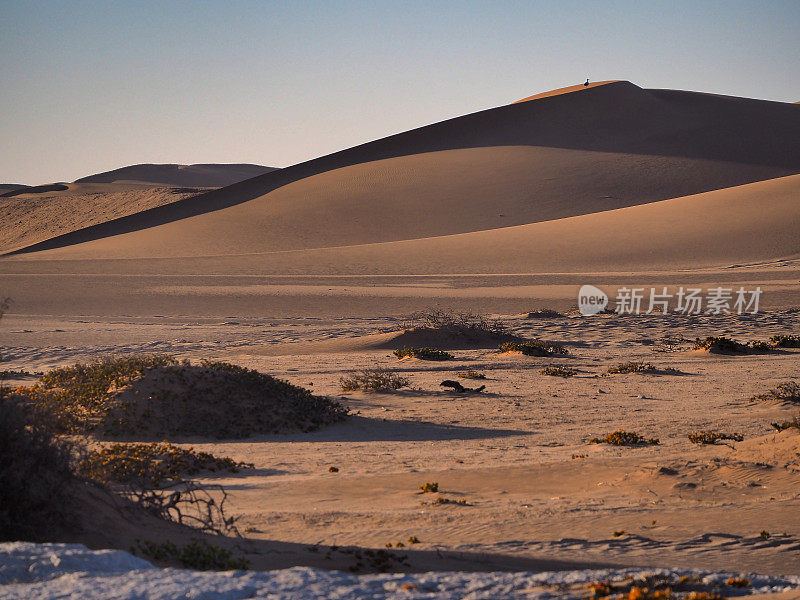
{"x":200,"y":175}
{"x":606,"y":147}
{"x":752,"y":223}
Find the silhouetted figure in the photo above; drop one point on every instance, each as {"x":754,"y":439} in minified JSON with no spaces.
{"x":587,"y":83}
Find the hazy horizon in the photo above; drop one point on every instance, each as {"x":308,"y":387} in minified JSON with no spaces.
{"x":91,"y":88}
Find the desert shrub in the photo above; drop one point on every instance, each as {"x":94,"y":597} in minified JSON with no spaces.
{"x":719,"y":344}
{"x":535,"y":348}
{"x":785,"y":341}
{"x":375,"y":380}
{"x":36,"y":478}
{"x":151,"y":465}
{"x":620,"y":437}
{"x":724,"y":345}
{"x":712,"y":437}
{"x":639,"y":367}
{"x":472,"y":375}
{"x":558,"y":372}
{"x":783,"y":425}
{"x":788,"y":391}
{"x":157,"y":397}
{"x":196,"y":555}
{"x":544,"y":313}
{"x":458,"y":324}
{"x":423,"y":353}
{"x":429,"y":487}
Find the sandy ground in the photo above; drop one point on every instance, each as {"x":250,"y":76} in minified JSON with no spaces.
{"x":517,"y":453}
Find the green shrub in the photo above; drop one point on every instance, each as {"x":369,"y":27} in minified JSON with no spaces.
{"x":620,"y":437}
{"x":535,"y":348}
{"x":37,"y":484}
{"x":423,"y":353}
{"x":151,"y":465}
{"x":157,"y":397}
{"x":374,"y":380}
{"x":196,"y":555}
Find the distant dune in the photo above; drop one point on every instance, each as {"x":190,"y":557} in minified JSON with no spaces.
{"x":606,"y":147}
{"x":200,"y":175}
{"x":610,"y":179}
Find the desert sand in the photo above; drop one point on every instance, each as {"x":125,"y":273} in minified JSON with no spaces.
{"x":310,"y":272}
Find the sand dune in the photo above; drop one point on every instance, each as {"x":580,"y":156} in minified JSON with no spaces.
{"x":33,"y":214}
{"x":200,"y":175}
{"x":564,"y":155}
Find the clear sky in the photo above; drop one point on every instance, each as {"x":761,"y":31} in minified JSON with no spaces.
{"x":91,"y":86}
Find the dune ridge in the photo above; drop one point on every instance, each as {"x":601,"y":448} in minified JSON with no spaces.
{"x":199,"y":175}
{"x":643,"y":145}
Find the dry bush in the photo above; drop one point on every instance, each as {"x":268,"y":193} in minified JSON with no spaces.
{"x":788,"y":391}
{"x":544,"y":313}
{"x":712,"y":437}
{"x":784,"y":425}
{"x":423,"y":353}
{"x":373,"y":380}
{"x":639,"y":367}
{"x":535,"y":348}
{"x":724,"y":345}
{"x":785,"y":341}
{"x":157,"y":397}
{"x":620,"y":437}
{"x":457,"y":324}
{"x":558,"y":372}
{"x":472,"y":375}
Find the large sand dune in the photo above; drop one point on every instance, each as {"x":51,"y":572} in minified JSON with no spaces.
{"x":570,"y":154}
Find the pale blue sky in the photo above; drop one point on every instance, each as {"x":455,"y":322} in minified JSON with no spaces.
{"x":92,"y":86}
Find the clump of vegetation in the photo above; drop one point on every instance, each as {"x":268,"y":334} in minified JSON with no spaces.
{"x":9,"y":374}
{"x":788,"y":391}
{"x":764,"y":535}
{"x":36,"y":477}
{"x":373,"y":380}
{"x":423,"y":353}
{"x":442,"y":500}
{"x":156,"y":396}
{"x":196,"y":555}
{"x":712,"y":437}
{"x":724,"y":345}
{"x":464,"y":324}
{"x":429,"y":487}
{"x":620,"y":437}
{"x":544,"y":313}
{"x":472,"y":375}
{"x":655,"y":587}
{"x":558,"y":372}
{"x":535,"y":348}
{"x":152,"y":465}
{"x":784,"y":425}
{"x":639,"y":367}
{"x":738,"y":582}
{"x":785,"y":341}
